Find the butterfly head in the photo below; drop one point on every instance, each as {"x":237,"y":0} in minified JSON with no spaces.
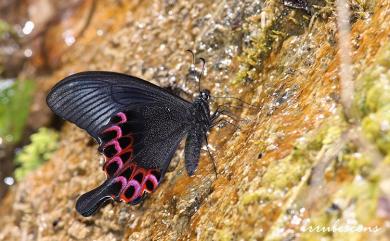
{"x":204,"y":94}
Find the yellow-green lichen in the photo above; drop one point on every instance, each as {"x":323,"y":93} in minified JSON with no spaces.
{"x":280,"y":24}
{"x":387,"y":160}
{"x":330,"y":131}
{"x":5,"y":28}
{"x":264,"y":194}
{"x":372,"y":100}
{"x":43,"y":144}
{"x":223,"y":235}
{"x":354,"y":207}
{"x":376,"y":127}
{"x":287,"y":172}
{"x":357,"y":162}
{"x":15,"y":99}
{"x":373,"y":85}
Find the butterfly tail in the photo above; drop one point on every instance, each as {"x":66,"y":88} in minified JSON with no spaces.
{"x":90,"y":202}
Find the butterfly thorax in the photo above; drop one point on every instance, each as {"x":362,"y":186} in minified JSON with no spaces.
{"x":201,"y":110}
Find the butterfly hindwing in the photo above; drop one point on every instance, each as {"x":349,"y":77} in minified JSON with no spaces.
{"x":137,"y":153}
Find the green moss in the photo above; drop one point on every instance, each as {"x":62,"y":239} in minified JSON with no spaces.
{"x":383,"y":57}
{"x":43,"y":144}
{"x":223,"y":235}
{"x":265,"y":193}
{"x":251,"y":197}
{"x":4,"y":28}
{"x":376,"y":127}
{"x":358,"y":204}
{"x":379,"y":93}
{"x":15,"y":101}
{"x":372,"y":100}
{"x":366,"y":193}
{"x":287,"y":172}
{"x":329,"y":131}
{"x":280,"y":176}
{"x":387,"y":160}
{"x":356,"y":162}
{"x":373,"y":85}
{"x":282,"y":23}
{"x":366,"y":5}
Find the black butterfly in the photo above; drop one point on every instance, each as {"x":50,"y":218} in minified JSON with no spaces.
{"x":138,"y":126}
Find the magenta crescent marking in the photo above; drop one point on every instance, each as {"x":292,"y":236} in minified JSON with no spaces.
{"x":117,"y":129}
{"x":116,"y":144}
{"x":123,"y":181}
{"x":117,"y":147}
{"x":123,"y":117}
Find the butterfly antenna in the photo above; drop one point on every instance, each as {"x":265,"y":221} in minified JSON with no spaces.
{"x":192,"y":68}
{"x":193,"y":55}
{"x":201,"y":73}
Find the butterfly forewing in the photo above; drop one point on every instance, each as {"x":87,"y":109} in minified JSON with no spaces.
{"x":90,"y":99}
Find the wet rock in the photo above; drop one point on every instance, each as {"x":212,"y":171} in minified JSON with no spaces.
{"x":79,"y":231}
{"x":284,"y":64}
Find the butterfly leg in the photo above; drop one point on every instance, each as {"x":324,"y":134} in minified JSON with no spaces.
{"x":222,"y":122}
{"x":220,"y":111}
{"x":211,"y":157}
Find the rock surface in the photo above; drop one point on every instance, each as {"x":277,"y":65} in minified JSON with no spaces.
{"x":297,"y":162}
